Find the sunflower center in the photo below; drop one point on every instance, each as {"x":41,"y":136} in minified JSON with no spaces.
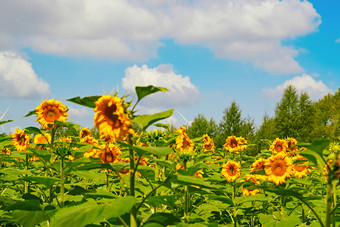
{"x":299,"y":168}
{"x":232,"y":170}
{"x":279,"y":168}
{"x":279,"y":148}
{"x":233,"y":143}
{"x":21,"y":140}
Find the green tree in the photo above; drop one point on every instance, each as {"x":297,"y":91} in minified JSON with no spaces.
{"x":201,"y":126}
{"x":286,"y":114}
{"x":265,"y":133}
{"x":306,"y":119}
{"x":231,"y":124}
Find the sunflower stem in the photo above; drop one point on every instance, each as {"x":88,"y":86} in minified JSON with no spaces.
{"x":235,"y":211}
{"x":26,"y":168}
{"x":282,"y":207}
{"x":133,"y":212}
{"x":186,"y":197}
{"x":62,"y":181}
{"x":329,"y":198}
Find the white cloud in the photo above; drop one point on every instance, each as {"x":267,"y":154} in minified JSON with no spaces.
{"x":181,"y":90}
{"x":18,"y":79}
{"x":250,"y":30}
{"x":305,"y":83}
{"x":81,"y":112}
{"x":337,"y":41}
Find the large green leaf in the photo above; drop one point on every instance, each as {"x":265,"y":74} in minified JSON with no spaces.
{"x":29,"y":218}
{"x":32,"y":112}
{"x":148,"y":90}
{"x":48,"y":181}
{"x":88,"y":101}
{"x":159,"y":151}
{"x":32,"y":130}
{"x":4,"y":122}
{"x":191,"y":180}
{"x":146,"y":120}
{"x":91,"y":212}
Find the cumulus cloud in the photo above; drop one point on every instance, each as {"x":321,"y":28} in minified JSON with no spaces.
{"x":181,"y":90}
{"x":305,"y":83}
{"x":337,"y":41}
{"x":18,"y":79}
{"x":81,"y":112}
{"x":243,"y":30}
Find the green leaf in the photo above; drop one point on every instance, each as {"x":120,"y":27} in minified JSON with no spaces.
{"x":314,"y":157}
{"x":146,"y":120}
{"x":144,"y":91}
{"x":4,"y":122}
{"x":88,"y":101}
{"x":168,"y":200}
{"x":91,"y":212}
{"x":32,"y":130}
{"x":162,"y":219}
{"x":48,"y":181}
{"x":160,"y":151}
{"x":32,"y":112}
{"x":31,"y":205}
{"x":29,"y":218}
{"x":191,"y":180}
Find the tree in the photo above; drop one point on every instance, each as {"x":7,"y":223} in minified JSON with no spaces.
{"x":305,"y":119}
{"x":265,"y":132}
{"x":201,"y":126}
{"x":286,"y":114}
{"x":231,"y":124}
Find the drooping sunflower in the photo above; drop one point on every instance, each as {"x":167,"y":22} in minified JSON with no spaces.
{"x":110,"y":117}
{"x":20,"y":140}
{"x":291,"y":144}
{"x":84,"y":132}
{"x":278,"y":168}
{"x":231,"y":171}
{"x":49,"y":111}
{"x":246,"y":191}
{"x":208,"y":143}
{"x":278,"y":146}
{"x":46,"y":138}
{"x":183,"y":142}
{"x":300,"y":169}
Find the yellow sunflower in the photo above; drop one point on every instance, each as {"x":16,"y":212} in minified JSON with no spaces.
{"x":278,"y":168}
{"x":183,"y":142}
{"x":84,"y":132}
{"x":46,"y":138}
{"x":231,"y":171}
{"x":242,"y":143}
{"x":20,"y":140}
{"x":246,"y":191}
{"x":291,"y":142}
{"x":110,"y":117}
{"x":6,"y":151}
{"x":49,"y":111}
{"x":258,"y":165}
{"x":92,"y":152}
{"x":110,"y":154}
{"x":300,"y":169}
{"x":208,"y":143}
{"x":278,"y":146}
{"x":235,"y":144}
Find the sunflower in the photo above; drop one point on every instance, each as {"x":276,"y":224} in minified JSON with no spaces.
{"x":208,"y":143}
{"x":278,"y":168}
{"x":20,"y":140}
{"x":92,"y":152}
{"x":110,"y":154}
{"x":278,"y":146}
{"x":183,"y":142}
{"x":231,"y":171}
{"x":258,"y":165}
{"x":49,"y":111}
{"x":110,"y":117}
{"x":6,"y":151}
{"x":42,"y":138}
{"x":291,"y":142}
{"x":84,"y":132}
{"x":231,"y":144}
{"x":300,"y":169}
{"x":246,"y":191}
{"x":242,"y":143}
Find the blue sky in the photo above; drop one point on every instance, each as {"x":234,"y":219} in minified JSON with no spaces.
{"x":207,"y":53}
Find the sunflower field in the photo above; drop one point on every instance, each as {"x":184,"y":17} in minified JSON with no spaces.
{"x":126,"y":174}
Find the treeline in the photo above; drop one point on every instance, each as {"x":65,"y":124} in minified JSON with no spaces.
{"x":296,"y":116}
